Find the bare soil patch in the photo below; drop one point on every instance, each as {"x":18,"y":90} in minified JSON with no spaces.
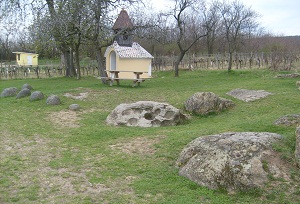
{"x":28,"y":163}
{"x":139,"y":145}
{"x":65,"y":118}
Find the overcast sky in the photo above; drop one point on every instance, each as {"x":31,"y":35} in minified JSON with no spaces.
{"x":280,"y":17}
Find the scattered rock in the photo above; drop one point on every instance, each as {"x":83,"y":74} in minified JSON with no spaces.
{"x":288,"y":120}
{"x":236,"y":161}
{"x":53,"y":100}
{"x":80,"y":96}
{"x":145,"y":114}
{"x":295,"y":75}
{"x":27,"y":86}
{"x":298,"y":83}
{"x":23,"y":93}
{"x":248,"y":95}
{"x":9,"y":92}
{"x":74,"y":107}
{"x":207,"y":102}
{"x":297,"y":149}
{"x":36,"y":95}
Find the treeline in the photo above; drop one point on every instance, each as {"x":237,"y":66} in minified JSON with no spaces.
{"x":76,"y":29}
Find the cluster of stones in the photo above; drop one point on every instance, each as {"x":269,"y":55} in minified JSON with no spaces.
{"x":27,"y":90}
{"x":155,"y":114}
{"x":234,"y":161}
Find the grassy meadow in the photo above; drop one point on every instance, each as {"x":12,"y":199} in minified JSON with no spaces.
{"x":49,"y":154}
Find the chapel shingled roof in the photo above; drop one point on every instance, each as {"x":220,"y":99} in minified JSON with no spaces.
{"x":123,"y":21}
{"x":135,"y":51}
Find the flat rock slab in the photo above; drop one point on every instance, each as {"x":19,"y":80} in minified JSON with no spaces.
{"x":80,"y":96}
{"x":248,"y":95}
{"x":288,"y":120}
{"x":235,"y":161}
{"x":294,"y":75}
{"x":297,"y":149}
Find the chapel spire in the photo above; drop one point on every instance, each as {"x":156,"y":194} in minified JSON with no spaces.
{"x":123,"y":29}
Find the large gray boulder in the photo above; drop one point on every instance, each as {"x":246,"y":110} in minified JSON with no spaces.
{"x":145,"y":114}
{"x":235,"y":161}
{"x":23,"y":93}
{"x":9,"y":92}
{"x":53,"y":100}
{"x":207,"y":102}
{"x":297,"y":149}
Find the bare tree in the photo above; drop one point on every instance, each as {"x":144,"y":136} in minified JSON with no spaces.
{"x":212,"y":24}
{"x":237,"y":22}
{"x":188,"y":27}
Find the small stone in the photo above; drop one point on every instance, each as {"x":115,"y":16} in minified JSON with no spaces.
{"x":36,"y":96}
{"x":23,"y":93}
{"x":53,"y":100}
{"x":74,"y":107}
{"x":9,"y":92}
{"x":27,"y":86}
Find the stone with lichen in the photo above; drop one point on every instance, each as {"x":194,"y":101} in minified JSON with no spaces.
{"x":145,"y":114}
{"x":235,"y":161}
{"x":204,"y":103}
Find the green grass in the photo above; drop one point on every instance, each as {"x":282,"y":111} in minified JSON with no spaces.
{"x":44,"y":160}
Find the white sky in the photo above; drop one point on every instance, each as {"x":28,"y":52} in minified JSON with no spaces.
{"x":280,"y":17}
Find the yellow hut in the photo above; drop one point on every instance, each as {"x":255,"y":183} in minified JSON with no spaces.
{"x":128,"y":61}
{"x":127,"y":58}
{"x":26,"y":59}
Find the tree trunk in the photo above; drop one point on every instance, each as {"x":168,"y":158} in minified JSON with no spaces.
{"x":101,"y":65}
{"x":230,"y":61}
{"x":177,"y":62}
{"x":68,"y":60}
{"x":77,"y":62}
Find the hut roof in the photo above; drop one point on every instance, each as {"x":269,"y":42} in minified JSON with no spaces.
{"x":123,"y":21}
{"x":135,"y":51}
{"x":29,"y":53}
